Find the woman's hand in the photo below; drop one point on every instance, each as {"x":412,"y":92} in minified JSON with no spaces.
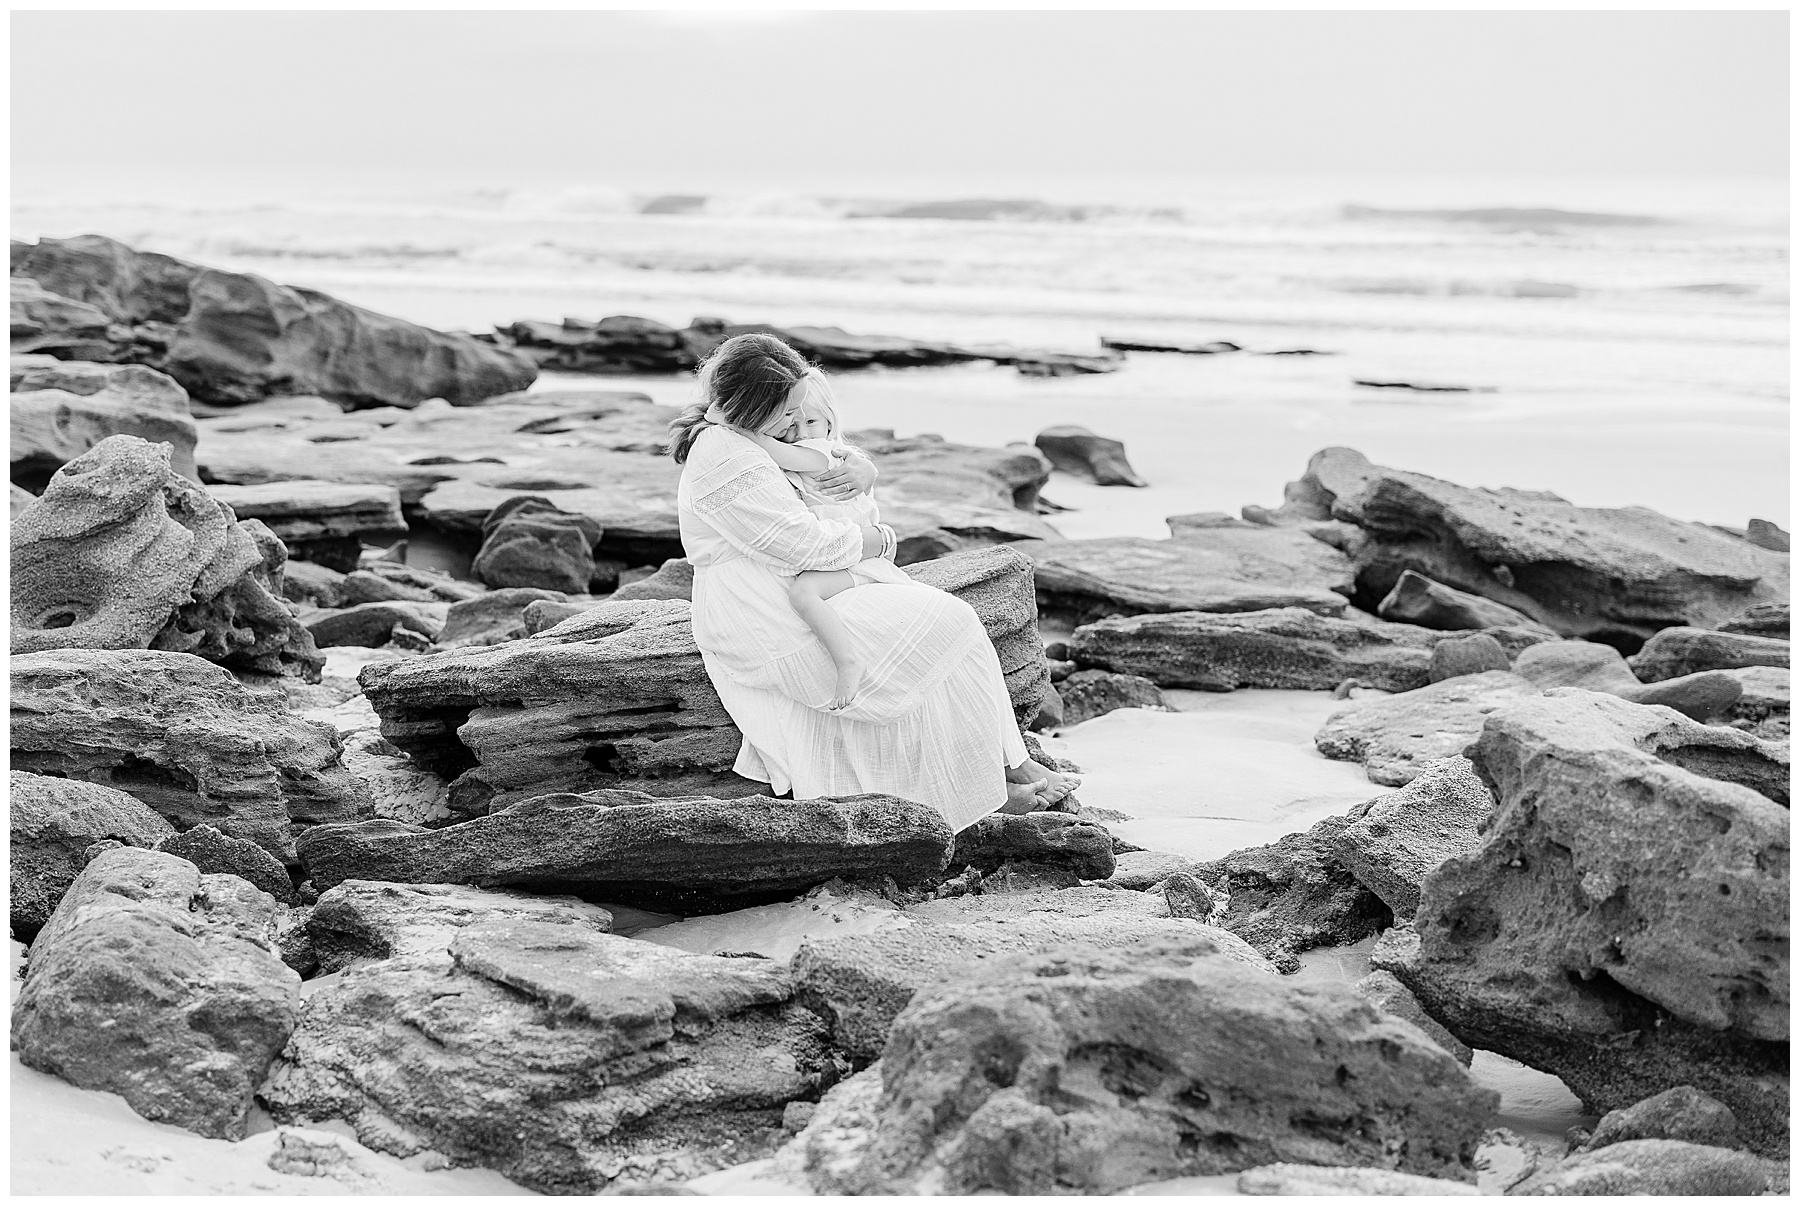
{"x":855,"y":476}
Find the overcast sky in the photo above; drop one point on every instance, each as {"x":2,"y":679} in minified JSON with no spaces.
{"x":838,"y":99}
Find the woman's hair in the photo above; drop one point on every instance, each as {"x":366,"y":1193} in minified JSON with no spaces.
{"x":749,"y":377}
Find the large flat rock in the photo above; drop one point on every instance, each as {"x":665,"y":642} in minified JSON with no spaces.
{"x":1396,"y":737}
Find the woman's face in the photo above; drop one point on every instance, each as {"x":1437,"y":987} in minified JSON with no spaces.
{"x":784,"y":425}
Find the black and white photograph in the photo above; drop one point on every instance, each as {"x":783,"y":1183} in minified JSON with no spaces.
{"x":913,"y":602}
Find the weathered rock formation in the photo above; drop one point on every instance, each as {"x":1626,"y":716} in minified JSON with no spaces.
{"x":530,"y":541}
{"x":1083,"y":848}
{"x":1311,"y":1180}
{"x":1594,"y":667}
{"x":231,"y":337}
{"x":365,"y":921}
{"x":1623,"y":923}
{"x":60,"y":409}
{"x":494,"y":617}
{"x":1086,"y":694}
{"x":694,"y":853}
{"x":372,"y":625}
{"x":1475,"y":653}
{"x":1396,"y":737}
{"x":215,"y":853}
{"x":1606,"y":574}
{"x":674,"y":579}
{"x":1078,"y":451}
{"x":997,"y":583}
{"x":1090,"y":1071}
{"x":53,"y":822}
{"x":1651,"y":1168}
{"x":1683,"y":1113}
{"x":183,"y":736}
{"x":121,"y":552}
{"x":1382,"y":990}
{"x":1762,"y":619}
{"x":941,"y":497}
{"x":322,"y":522}
{"x":1675,"y":652}
{"x":158,"y":983}
{"x":1400,"y":838}
{"x":1416,"y":599}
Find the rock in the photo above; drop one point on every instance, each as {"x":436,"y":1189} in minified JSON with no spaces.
{"x":1198,"y":569}
{"x":1763,"y":619}
{"x":1396,"y":736}
{"x":1090,"y":693}
{"x":1050,"y":712}
{"x":312,"y":584}
{"x":1160,"y":1063}
{"x":1615,"y":574}
{"x":362,"y":586}
{"x":1674,"y":652}
{"x":675,"y":580}
{"x":121,"y":552}
{"x":1191,"y":347}
{"x":544,"y":615}
{"x":183,"y":736}
{"x":1765,"y":696}
{"x":158,"y":983}
{"x":1040,"y":837}
{"x":1406,"y":835}
{"x":1309,"y":1180}
{"x":1186,"y":896}
{"x":529,"y":541}
{"x":1623,"y":922}
{"x":1476,"y":653}
{"x":1295,"y":895}
{"x":54,"y":821}
{"x":372,"y":624}
{"x":233,"y":337}
{"x":362,"y":921}
{"x":215,"y":854}
{"x":1596,"y":667}
{"x":20,"y":500}
{"x":568,"y":1060}
{"x":61,"y":410}
{"x":324,"y":522}
{"x":494,"y":617}
{"x":1416,"y":599}
{"x":690,"y":851}
{"x":1683,"y":1113}
{"x":1660,"y":1167}
{"x":997,"y":583}
{"x":1144,"y":869}
{"x":1767,"y":535}
{"x":1387,"y":994}
{"x":942,"y":498}
{"x":43,"y":321}
{"x":1078,"y":451}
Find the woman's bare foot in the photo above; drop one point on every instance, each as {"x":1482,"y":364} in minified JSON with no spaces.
{"x":849,"y":681}
{"x":1052,"y":787}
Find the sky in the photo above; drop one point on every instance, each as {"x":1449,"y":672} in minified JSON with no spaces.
{"x":311,"y":101}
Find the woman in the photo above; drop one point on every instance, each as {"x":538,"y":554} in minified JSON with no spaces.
{"x":932,"y":722}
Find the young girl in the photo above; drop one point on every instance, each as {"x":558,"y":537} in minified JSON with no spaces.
{"x":816,"y":447}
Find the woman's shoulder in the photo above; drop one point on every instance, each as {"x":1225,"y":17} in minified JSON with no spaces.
{"x":719,"y":447}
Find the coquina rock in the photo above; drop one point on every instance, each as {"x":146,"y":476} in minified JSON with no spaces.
{"x":493,"y":617}
{"x":1283,"y":647}
{"x":1402,"y":837}
{"x":121,"y":552}
{"x":53,"y":822}
{"x":60,"y":409}
{"x":1086,"y":694}
{"x":323,"y":522}
{"x":530,"y":541}
{"x":1090,"y":1071}
{"x":673,"y":579}
{"x":1705,"y":696}
{"x":1396,"y":737}
{"x":183,"y":736}
{"x":997,"y":582}
{"x":1078,"y":451}
{"x":365,"y":921}
{"x":1675,"y":652}
{"x":1597,"y":573}
{"x":1416,"y":599}
{"x":159,"y":984}
{"x":1310,"y":1180}
{"x":571,"y":1061}
{"x":1623,"y":923}
{"x":231,"y":337}
{"x":1651,"y":1167}
{"x":1083,"y":847}
{"x":47,"y":323}
{"x":1761,"y":619}
{"x":942,"y":498}
{"x":1683,"y":1113}
{"x":215,"y":853}
{"x":1222,"y":569}
{"x":697,"y":854}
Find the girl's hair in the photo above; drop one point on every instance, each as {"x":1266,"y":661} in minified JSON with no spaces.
{"x":819,"y":390}
{"x":749,"y":377}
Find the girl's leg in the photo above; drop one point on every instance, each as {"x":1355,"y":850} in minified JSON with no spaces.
{"x":808,"y":592}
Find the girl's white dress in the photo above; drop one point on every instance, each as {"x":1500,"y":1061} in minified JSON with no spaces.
{"x":932,"y":722}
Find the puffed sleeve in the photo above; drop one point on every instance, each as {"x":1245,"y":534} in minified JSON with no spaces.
{"x":742,"y":495}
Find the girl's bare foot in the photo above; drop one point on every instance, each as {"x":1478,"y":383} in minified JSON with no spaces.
{"x":849,"y":679}
{"x":1021,"y":798}
{"x":1052,"y":787}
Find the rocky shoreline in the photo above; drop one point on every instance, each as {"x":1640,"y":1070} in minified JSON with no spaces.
{"x":356,"y":715}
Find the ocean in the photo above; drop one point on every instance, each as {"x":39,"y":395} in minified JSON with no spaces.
{"x":1623,"y":343}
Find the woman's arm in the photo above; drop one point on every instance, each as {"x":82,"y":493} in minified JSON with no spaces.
{"x":791,"y":456}
{"x":855,"y":476}
{"x":746,"y":500}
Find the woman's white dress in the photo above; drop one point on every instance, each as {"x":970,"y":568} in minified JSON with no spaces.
{"x":932,"y":721}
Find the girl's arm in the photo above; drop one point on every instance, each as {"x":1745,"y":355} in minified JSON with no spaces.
{"x":792,"y":457}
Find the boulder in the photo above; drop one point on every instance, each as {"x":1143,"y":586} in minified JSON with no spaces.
{"x":1396,"y":737}
{"x":569,"y":1060}
{"x":53,"y":823}
{"x":311,"y":584}
{"x":997,"y":583}
{"x":545,"y":614}
{"x":1765,"y":534}
{"x":364,"y":921}
{"x":1763,"y":620}
{"x":1594,"y":667}
{"x":158,"y":983}
{"x":1140,"y":870}
{"x":1651,"y":1167}
{"x":1416,"y":599}
{"x":674,"y":580}
{"x":1078,"y":451}
{"x":372,"y":625}
{"x":1675,"y":652}
{"x":1284,"y":647}
{"x":183,"y":736}
{"x":1615,"y":574}
{"x":122,"y":552}
{"x":1089,"y":693}
{"x":1382,"y":990}
{"x":324,"y":522}
{"x":232,"y":337}
{"x":530,"y":541}
{"x":1089,"y":1071}
{"x":1198,"y":569}
{"x":1056,"y":838}
{"x":696,"y":853}
{"x":493,"y":617}
{"x":1296,"y":894}
{"x":1402,"y":837}
{"x":1683,"y":1113}
{"x":47,"y":322}
{"x":1623,"y":922}
{"x":61,"y":410}
{"x":1476,"y":653}
{"x":216,"y":854}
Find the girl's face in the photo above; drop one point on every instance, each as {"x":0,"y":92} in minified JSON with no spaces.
{"x":814,"y":422}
